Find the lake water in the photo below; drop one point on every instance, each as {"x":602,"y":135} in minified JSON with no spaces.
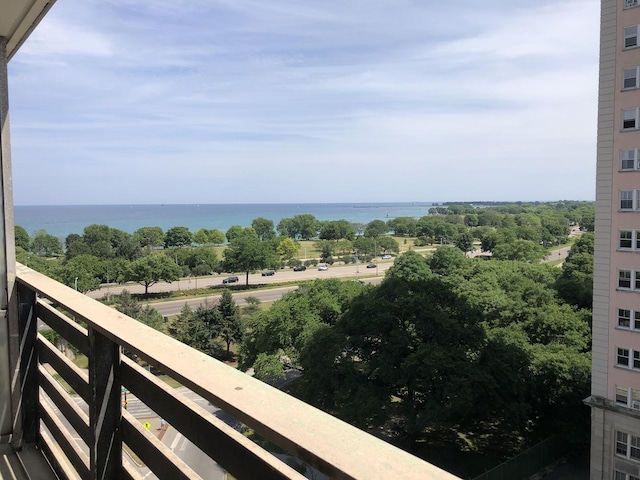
{"x":61,"y":220}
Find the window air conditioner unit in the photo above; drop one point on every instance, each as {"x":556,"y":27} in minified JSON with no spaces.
{"x":635,"y":404}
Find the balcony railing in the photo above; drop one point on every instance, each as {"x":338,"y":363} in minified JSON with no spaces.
{"x":90,"y":445}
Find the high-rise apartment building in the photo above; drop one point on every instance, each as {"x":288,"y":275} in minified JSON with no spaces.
{"x":615,"y":389}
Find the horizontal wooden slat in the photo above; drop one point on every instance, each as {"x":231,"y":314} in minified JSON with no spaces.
{"x":68,"y":445}
{"x":70,"y":410}
{"x":129,"y":472}
{"x":56,"y":459}
{"x":232,"y":450}
{"x":159,"y":458}
{"x":65,"y":327}
{"x":75,"y":377}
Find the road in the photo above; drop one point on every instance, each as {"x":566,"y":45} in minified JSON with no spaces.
{"x":173,"y":307}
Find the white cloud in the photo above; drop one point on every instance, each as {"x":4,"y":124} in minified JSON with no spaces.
{"x":184,"y":102}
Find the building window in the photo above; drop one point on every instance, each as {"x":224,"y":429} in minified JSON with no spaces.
{"x":624,"y":476}
{"x":622,"y":443}
{"x":629,"y":319}
{"x":624,"y":279}
{"x":631,"y":3}
{"x":634,"y":450}
{"x":626,"y":199}
{"x":622,"y":395}
{"x":636,"y":360}
{"x":627,"y":396}
{"x":630,"y":119}
{"x":625,"y":239}
{"x":622,"y":358}
{"x":630,"y":78}
{"x":629,"y":160}
{"x":629,"y":239}
{"x":631,"y":37}
{"x":624,"y":318}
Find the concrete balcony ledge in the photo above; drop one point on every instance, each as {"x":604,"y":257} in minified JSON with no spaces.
{"x":331,"y":446}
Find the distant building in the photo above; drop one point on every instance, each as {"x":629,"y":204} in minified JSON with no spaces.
{"x":615,"y":390}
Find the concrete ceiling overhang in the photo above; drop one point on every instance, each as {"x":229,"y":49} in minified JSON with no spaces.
{"x":18,"y":18}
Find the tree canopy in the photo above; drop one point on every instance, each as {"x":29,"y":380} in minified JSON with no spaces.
{"x":151,"y":269}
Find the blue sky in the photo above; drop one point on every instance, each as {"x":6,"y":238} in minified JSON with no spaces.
{"x":253,"y":101}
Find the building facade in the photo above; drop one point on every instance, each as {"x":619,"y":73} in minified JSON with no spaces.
{"x":615,"y":389}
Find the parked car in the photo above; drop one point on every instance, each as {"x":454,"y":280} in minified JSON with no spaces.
{"x":386,"y":257}
{"x":268,"y":273}
{"x":299,"y":268}
{"x":372,"y":265}
{"x":232,"y":279}
{"x":323,"y":268}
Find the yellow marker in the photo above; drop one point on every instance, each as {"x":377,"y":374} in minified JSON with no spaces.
{"x":146,"y":425}
{"x":125,"y":403}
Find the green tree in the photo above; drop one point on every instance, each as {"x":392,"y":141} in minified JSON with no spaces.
{"x":410,"y":340}
{"x":191,"y":330}
{"x":216,"y":237}
{"x":149,"y":237}
{"x":21,"y":237}
{"x":287,"y":249}
{"x":229,"y":327}
{"x":45,"y":245}
{"x":207,"y":316}
{"x":127,"y":304}
{"x":386,"y":244}
{"x":151,"y":317}
{"x":282,"y":331}
{"x":587,"y":220}
{"x":336,"y":230}
{"x":376,"y":228}
{"x":575,"y":284}
{"x":365,"y":245}
{"x":149,"y":270}
{"x":464,"y":241}
{"x":306,"y":226}
{"x":98,"y":240}
{"x":264,"y":228}
{"x":521,"y":250}
{"x":234,"y":232}
{"x":403,"y":226}
{"x":75,"y":245}
{"x":246,"y":253}
{"x":179,"y":327}
{"x":83,"y":272}
{"x":287,"y":228}
{"x":178,"y":237}
{"x":201,"y":237}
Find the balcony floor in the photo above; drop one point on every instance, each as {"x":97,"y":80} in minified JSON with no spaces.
{"x":27,"y":464}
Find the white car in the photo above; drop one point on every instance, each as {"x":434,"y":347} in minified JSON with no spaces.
{"x":386,"y":257}
{"x":323,"y":268}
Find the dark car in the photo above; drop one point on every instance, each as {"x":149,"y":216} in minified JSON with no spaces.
{"x":268,"y":273}
{"x":372,"y":265}
{"x":299,"y":268}
{"x":232,"y":279}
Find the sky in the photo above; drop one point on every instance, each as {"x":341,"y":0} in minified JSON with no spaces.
{"x":281,"y":101}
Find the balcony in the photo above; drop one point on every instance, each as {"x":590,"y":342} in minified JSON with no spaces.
{"x":95,"y":437}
